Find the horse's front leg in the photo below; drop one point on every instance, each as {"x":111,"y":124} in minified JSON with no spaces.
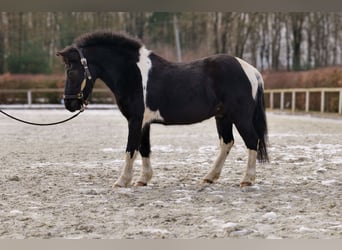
{"x":134,"y":135}
{"x":145,"y":151}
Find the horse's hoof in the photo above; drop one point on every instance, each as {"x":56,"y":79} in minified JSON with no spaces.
{"x":117,"y":186}
{"x":207,"y":181}
{"x":246,"y":184}
{"x":140,"y":184}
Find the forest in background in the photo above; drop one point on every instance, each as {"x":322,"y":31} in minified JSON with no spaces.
{"x":292,"y":50}
{"x":270,"y":41}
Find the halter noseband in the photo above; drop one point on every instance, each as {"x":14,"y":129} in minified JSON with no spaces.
{"x":87,"y":76}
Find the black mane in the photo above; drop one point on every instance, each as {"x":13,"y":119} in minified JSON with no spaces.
{"x":107,"y":38}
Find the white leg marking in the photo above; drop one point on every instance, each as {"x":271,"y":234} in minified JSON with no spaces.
{"x":215,"y":171}
{"x":144,"y":64}
{"x":249,"y":177}
{"x":127,"y":173}
{"x":146,"y":172}
{"x":253,"y":75}
{"x":150,"y":115}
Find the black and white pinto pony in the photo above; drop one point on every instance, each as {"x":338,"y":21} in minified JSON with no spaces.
{"x":149,"y":89}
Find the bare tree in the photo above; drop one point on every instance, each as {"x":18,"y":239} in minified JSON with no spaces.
{"x":264,"y":41}
{"x":336,"y":20}
{"x":298,"y":40}
{"x":177,"y":41}
{"x":222,"y":28}
{"x":276,"y":26}
{"x":217,"y":28}
{"x":297,"y":21}
{"x":244,"y":26}
{"x":5,"y":36}
{"x":136,"y":23}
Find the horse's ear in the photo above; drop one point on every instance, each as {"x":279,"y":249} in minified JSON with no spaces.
{"x":68,"y":53}
{"x":62,"y":53}
{"x":65,"y":54}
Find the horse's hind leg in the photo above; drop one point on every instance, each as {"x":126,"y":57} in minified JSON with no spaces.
{"x":249,"y":177}
{"x":249,"y":135}
{"x":224,"y":129}
{"x":145,"y":151}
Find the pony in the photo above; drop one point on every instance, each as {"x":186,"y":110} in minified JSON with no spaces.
{"x":150,"y":89}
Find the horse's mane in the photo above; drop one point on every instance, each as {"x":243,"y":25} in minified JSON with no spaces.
{"x":107,"y":38}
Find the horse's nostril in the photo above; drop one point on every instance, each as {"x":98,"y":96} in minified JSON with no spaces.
{"x":72,"y":105}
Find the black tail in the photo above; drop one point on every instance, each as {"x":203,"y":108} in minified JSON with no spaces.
{"x":260,"y":125}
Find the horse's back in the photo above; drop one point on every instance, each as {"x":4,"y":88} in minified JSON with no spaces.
{"x":191,"y":92}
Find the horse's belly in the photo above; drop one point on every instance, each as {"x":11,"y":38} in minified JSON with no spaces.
{"x":186,"y":115}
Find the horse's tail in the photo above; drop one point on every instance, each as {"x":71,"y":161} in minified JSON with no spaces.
{"x":260,"y":122}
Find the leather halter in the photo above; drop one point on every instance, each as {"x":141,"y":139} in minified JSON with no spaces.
{"x":87,"y":76}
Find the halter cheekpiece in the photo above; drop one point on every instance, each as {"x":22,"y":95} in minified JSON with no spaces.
{"x":83,"y":62}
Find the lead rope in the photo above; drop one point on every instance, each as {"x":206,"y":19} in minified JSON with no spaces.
{"x":84,"y":102}
{"x":41,"y":124}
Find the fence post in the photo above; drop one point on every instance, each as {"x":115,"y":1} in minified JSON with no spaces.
{"x":307,"y":101}
{"x":282,"y":94}
{"x":293,"y":104}
{"x":340,"y":103}
{"x":272,"y":100}
{"x":322,"y":101}
{"x":29,"y":97}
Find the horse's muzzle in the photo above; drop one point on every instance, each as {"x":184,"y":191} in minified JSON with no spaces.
{"x":73,"y":104}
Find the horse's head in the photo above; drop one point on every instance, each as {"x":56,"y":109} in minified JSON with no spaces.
{"x":79,"y":81}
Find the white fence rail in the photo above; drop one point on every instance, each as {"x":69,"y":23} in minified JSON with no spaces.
{"x":30,"y":100}
{"x":275,"y":98}
{"x":309,"y":93}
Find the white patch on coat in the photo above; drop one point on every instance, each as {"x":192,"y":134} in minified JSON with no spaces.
{"x":215,"y":171}
{"x":253,"y":75}
{"x":150,"y":116}
{"x":144,"y":64}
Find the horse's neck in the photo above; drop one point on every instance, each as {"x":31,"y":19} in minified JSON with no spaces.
{"x":111,"y":81}
{"x":113,"y":78}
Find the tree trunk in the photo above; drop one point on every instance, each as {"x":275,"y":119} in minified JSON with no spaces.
{"x":217,"y":19}
{"x":297,"y":20}
{"x":6,"y":46}
{"x":177,"y":41}
{"x":276,"y":27}
{"x":288,"y":47}
{"x":244,"y":28}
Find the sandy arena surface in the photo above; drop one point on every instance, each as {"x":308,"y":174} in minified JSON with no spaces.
{"x":56,"y":182}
